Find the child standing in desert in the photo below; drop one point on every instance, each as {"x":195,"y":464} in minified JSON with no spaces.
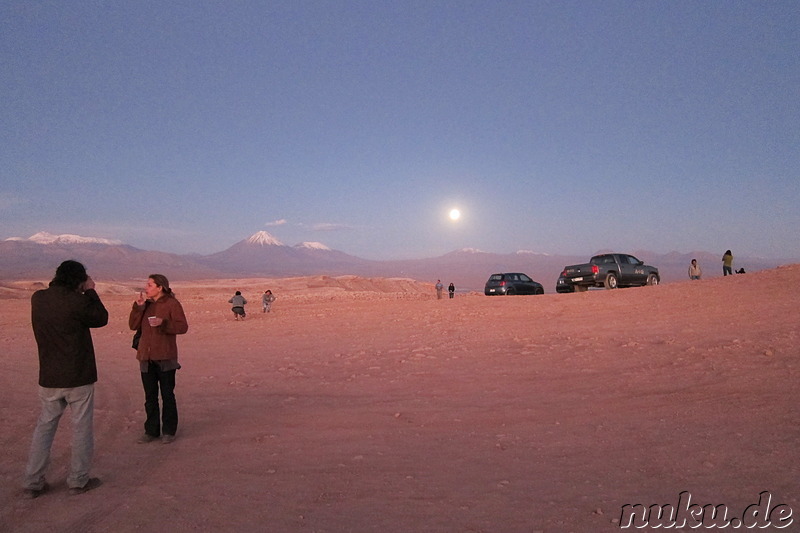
{"x":266,"y":301}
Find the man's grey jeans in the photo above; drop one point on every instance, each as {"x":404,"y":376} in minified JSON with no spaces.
{"x":54,"y":401}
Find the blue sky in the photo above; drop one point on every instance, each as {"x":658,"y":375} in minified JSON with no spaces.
{"x":558,"y":127}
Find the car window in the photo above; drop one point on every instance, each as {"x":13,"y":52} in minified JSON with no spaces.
{"x":523,"y":277}
{"x":514,"y":277}
{"x":496,"y":277}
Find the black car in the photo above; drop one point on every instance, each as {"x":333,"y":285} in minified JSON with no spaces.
{"x":512,"y":283}
{"x":563,"y":286}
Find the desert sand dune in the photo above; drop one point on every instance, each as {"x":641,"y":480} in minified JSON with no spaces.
{"x":368,"y":405}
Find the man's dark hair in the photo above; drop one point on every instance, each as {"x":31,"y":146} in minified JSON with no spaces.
{"x":70,"y":274}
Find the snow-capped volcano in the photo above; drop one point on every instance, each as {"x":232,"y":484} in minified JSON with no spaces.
{"x":263,"y":254}
{"x":264,"y":239}
{"x":44,"y":237}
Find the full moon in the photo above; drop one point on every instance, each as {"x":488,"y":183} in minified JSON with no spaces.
{"x":455,"y":214}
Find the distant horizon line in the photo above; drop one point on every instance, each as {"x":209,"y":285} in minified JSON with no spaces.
{"x":257,"y":238}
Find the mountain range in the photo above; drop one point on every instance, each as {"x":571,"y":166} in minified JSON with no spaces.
{"x":262,"y":255}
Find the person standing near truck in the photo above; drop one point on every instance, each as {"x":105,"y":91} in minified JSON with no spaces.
{"x":695,"y":272}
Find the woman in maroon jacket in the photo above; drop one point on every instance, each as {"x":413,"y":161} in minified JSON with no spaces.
{"x":161,"y":319}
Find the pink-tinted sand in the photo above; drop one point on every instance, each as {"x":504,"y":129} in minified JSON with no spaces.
{"x":369,"y":405}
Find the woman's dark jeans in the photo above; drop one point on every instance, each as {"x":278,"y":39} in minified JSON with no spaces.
{"x":152,"y":380}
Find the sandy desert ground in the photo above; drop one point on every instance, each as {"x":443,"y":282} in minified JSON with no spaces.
{"x":368,"y":405}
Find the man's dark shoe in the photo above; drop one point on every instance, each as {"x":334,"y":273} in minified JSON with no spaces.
{"x":167,"y":439}
{"x":147,"y":437}
{"x":93,"y":483}
{"x":30,"y":494}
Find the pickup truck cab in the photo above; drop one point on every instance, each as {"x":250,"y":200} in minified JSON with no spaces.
{"x":610,"y":271}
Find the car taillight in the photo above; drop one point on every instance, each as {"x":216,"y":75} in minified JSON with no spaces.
{"x":595,"y":269}
{"x":564,"y":273}
{"x":502,"y":283}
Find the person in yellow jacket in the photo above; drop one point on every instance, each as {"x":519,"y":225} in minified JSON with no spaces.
{"x":727,"y":263}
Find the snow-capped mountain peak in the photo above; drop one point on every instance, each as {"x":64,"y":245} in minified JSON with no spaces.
{"x":44,"y":237}
{"x":312,"y":246}
{"x":530,"y":252}
{"x":264,"y":239}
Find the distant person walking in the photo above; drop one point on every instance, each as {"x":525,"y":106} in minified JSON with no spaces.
{"x":266,"y":301}
{"x":439,"y":288}
{"x":238,"y":303}
{"x":727,"y":263}
{"x":158,"y":355}
{"x":452,"y":290}
{"x":695,"y":272}
{"x":62,"y":316}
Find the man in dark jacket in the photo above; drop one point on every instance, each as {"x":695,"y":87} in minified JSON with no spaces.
{"x":61,"y":316}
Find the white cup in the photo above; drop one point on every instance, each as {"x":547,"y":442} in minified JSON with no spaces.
{"x":152,"y":320}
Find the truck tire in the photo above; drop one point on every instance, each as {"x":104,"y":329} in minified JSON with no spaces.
{"x":652,"y":279}
{"x":611,"y":281}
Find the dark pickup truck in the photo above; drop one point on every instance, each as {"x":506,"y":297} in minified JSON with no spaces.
{"x":610,"y":271}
